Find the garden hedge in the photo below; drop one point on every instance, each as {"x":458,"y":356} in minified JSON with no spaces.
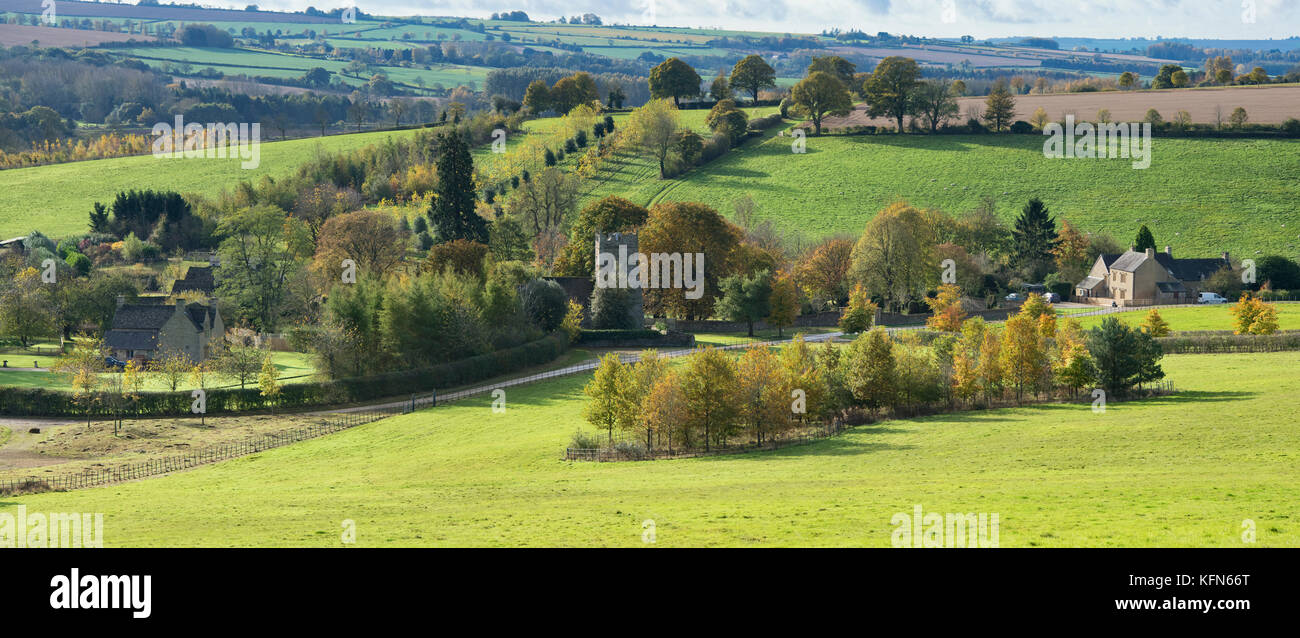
{"x":41,"y":402}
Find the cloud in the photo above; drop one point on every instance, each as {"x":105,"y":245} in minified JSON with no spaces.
{"x":981,"y":18}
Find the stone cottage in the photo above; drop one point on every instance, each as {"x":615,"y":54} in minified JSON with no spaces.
{"x":145,"y":331}
{"x":1146,"y":278}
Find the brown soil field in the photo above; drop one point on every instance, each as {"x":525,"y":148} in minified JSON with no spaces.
{"x":1264,"y":105}
{"x":14,"y":34}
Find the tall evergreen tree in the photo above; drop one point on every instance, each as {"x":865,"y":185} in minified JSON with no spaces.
{"x":1034,"y":237}
{"x":452,"y":214}
{"x":1144,"y":239}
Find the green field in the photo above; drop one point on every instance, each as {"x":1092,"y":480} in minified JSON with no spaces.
{"x":57,"y":198}
{"x":1201,"y":197}
{"x":294,"y":367}
{"x":1184,"y":470}
{"x":1216,"y":317}
{"x":280,"y":65}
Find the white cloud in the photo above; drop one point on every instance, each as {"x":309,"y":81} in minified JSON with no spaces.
{"x":981,"y":18}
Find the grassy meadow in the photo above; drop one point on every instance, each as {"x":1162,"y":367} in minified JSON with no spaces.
{"x":56,"y":199}
{"x":1201,"y":197}
{"x":1207,"y":317}
{"x":1183,"y":470}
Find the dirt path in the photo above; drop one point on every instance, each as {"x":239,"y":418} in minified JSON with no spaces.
{"x":17,"y":452}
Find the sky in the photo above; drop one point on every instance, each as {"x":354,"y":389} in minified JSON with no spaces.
{"x":1219,"y":19}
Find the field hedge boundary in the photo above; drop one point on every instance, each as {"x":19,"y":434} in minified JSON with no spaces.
{"x":41,"y":402}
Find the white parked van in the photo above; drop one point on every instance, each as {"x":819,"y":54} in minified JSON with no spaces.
{"x":1211,"y":297}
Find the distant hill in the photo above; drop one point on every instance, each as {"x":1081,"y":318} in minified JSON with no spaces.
{"x":71,"y":8}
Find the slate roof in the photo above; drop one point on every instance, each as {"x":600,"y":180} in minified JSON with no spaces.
{"x":1180,"y":269}
{"x":200,"y":278}
{"x":131,"y":339}
{"x":1129,"y":261}
{"x":1170,"y":286}
{"x":1089,"y":283}
{"x":142,"y":316}
{"x":197,"y":312}
{"x":1190,"y":269}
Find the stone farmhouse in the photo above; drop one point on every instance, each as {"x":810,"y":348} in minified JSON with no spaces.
{"x":1146,"y":278}
{"x":145,"y":331}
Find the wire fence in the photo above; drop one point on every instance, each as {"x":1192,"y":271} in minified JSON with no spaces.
{"x":340,"y":420}
{"x":130,"y":471}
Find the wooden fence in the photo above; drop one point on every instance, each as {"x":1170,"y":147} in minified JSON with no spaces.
{"x":94,"y":477}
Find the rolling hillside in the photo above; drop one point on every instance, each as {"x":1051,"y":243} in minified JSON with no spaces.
{"x":1200,"y":196}
{"x":55,"y":199}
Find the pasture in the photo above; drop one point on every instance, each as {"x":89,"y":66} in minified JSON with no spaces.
{"x":1208,"y":317}
{"x":1183,"y":470}
{"x":57,"y":198}
{"x":839,"y":184}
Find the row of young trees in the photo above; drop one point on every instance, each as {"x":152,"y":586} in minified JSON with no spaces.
{"x":83,"y":369}
{"x":712,"y":398}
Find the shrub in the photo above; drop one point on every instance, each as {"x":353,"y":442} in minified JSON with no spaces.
{"x":585,"y":441}
{"x":42,"y":402}
{"x":609,"y":309}
{"x":1021,"y":127}
{"x":544,"y":302}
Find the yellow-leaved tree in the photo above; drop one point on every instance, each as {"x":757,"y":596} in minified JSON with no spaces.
{"x":946,"y":306}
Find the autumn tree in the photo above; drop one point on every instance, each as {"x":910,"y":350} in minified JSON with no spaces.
{"x":890,"y":90}
{"x":26,"y":310}
{"x":821,"y":94}
{"x":870,"y":369}
{"x":783,"y":305}
{"x":1023,"y":357}
{"x":935,"y":103}
{"x":762,"y":393}
{"x":664,"y":410}
{"x":537,"y":97}
{"x":860,"y":313}
{"x":268,"y":382}
{"x":822,"y":272}
{"x":1155,"y":325}
{"x":674,"y":79}
{"x":370,"y":238}
{"x":947,"y":310}
{"x":688,"y":229}
{"x":989,"y":368}
{"x":172,"y":366}
{"x":999,"y":107}
{"x":893,"y":257}
{"x":241,"y":363}
{"x":709,"y":385}
{"x":81,"y":369}
{"x":653,"y":129}
{"x":461,"y":256}
{"x":753,"y":74}
{"x":606,"y":395}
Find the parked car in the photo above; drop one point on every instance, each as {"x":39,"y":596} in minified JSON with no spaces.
{"x":1211,"y":297}
{"x":1052,"y":297}
{"x":114,"y":362}
{"x":1015,"y":296}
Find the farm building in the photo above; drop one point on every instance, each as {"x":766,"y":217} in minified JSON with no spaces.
{"x":145,"y":331}
{"x":197,"y":279}
{"x":1146,"y":278}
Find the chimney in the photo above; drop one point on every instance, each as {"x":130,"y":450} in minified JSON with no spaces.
{"x":1169,"y":250}
{"x":121,"y":300}
{"x":1151,"y":253}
